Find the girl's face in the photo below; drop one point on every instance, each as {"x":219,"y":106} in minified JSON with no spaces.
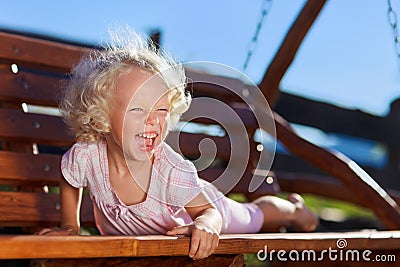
{"x":140,"y":114}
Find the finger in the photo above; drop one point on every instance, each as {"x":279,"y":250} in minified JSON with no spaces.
{"x":180,"y":230}
{"x":59,"y":232}
{"x":215,"y":243}
{"x":43,"y":231}
{"x":194,"y":245}
{"x":209,"y":240}
{"x":204,"y":245}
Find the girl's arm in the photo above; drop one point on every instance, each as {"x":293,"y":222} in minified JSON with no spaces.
{"x":70,"y":208}
{"x":204,"y":231}
{"x":71,"y":199}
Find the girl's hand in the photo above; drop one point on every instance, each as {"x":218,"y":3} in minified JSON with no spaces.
{"x":204,"y":239}
{"x":64,"y":230}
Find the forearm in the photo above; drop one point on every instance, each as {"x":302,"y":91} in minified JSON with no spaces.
{"x":70,"y":206}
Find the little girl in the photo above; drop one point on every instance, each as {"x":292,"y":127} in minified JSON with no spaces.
{"x":121,"y":103}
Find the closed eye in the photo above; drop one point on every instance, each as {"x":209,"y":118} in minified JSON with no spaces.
{"x":136,"y":109}
{"x":162,"y":112}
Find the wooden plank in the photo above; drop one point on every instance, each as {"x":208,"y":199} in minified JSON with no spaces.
{"x":23,"y":168}
{"x":326,"y":186}
{"x":337,"y":165}
{"x":37,"y":209}
{"x":242,"y":185}
{"x":211,"y":261}
{"x":31,"y":88}
{"x":157,"y":245}
{"x":386,"y":178}
{"x":188,"y":144}
{"x":38,"y":53}
{"x":288,"y":49}
{"x":41,"y":129}
{"x":227,"y":114}
{"x":219,"y":87}
{"x":334,"y":119}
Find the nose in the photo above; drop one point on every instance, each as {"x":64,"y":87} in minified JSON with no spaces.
{"x":152,"y":117}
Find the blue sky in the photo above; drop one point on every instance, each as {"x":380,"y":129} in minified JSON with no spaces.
{"x":348,"y":57}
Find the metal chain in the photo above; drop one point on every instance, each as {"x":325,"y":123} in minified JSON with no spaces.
{"x":392,"y":18}
{"x":266,"y":5}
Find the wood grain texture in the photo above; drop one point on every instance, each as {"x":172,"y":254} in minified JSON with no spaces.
{"x":339,"y":166}
{"x":143,"y":246}
{"x":28,"y":169}
{"x":38,"y":53}
{"x":31,"y":88}
{"x":35,"y":128}
{"x":321,"y":185}
{"x":37,"y":209}
{"x":212,"y":261}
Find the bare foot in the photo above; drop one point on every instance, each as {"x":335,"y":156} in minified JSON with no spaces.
{"x":304,"y":219}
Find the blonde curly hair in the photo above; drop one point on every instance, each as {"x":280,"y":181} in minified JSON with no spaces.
{"x":85,"y":103}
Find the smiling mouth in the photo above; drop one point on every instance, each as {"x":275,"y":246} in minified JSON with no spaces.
{"x":146,"y":140}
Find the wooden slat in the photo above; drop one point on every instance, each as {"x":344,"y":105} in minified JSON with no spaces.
{"x":37,"y":209}
{"x":24,"y":168}
{"x":227,"y":114}
{"x":326,"y":186}
{"x":318,"y":185}
{"x":242,"y":186}
{"x":334,"y":119}
{"x":219,"y":87}
{"x":32,"y":88}
{"x":337,"y":165}
{"x":37,"y":53}
{"x":188,"y":144}
{"x":42,"y":129}
{"x":230,"y":260}
{"x":143,"y":246}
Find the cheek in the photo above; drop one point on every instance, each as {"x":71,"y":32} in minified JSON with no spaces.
{"x":132,"y":124}
{"x":165,"y":122}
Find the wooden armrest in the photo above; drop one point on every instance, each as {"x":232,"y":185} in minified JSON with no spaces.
{"x":34,"y":247}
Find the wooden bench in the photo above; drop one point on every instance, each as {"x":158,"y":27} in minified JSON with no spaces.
{"x":31,"y":71}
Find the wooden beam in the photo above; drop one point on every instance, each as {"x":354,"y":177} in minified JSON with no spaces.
{"x":37,"y":53}
{"x":22,"y":168}
{"x":344,"y":169}
{"x":38,"y":209}
{"x":213,"y":260}
{"x":289,"y":47}
{"x":333,"y":119}
{"x":326,"y":186}
{"x":35,"y":128}
{"x":36,"y":247}
{"x":32,"y":88}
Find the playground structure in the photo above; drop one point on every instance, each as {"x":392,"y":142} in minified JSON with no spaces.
{"x":31,"y":69}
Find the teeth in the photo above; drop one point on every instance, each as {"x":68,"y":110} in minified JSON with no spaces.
{"x":149,"y":136}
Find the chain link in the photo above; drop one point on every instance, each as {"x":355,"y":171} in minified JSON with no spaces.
{"x":392,"y":18}
{"x":266,"y":6}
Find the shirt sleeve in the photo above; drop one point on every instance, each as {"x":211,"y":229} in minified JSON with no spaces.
{"x":183,"y":186}
{"x":74,"y":165}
